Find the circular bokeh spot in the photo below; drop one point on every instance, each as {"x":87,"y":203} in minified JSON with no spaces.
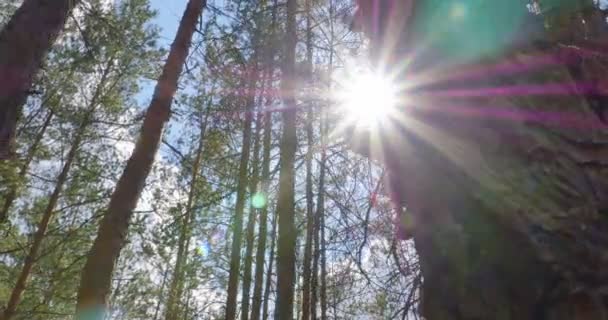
{"x":258,"y":200}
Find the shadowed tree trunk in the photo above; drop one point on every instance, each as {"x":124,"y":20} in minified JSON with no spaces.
{"x":24,"y":42}
{"x":96,"y":277}
{"x":286,"y":206}
{"x":501,"y":163}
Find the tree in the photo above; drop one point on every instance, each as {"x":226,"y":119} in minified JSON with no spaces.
{"x":24,"y":42}
{"x":235,"y":253}
{"x":286,"y":206}
{"x":177,"y":281}
{"x":97,"y":273}
{"x":493,"y":181}
{"x":310,"y":221}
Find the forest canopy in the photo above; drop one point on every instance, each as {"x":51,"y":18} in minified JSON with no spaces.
{"x":252,"y":163}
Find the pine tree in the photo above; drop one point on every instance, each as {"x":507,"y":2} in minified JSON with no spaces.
{"x":97,"y":273}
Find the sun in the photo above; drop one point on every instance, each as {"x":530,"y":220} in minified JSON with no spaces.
{"x":366,"y":98}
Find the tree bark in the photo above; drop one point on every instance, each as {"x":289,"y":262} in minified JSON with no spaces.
{"x":171,"y":312}
{"x":97,"y":273}
{"x":237,"y":229}
{"x":286,"y":207}
{"x":24,"y":42}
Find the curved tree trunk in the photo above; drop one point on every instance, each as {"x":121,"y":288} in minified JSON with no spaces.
{"x":24,"y":42}
{"x":96,"y":277}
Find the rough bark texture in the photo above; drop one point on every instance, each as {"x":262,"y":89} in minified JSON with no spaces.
{"x":24,"y":42}
{"x":96,"y":277}
{"x":503,"y":169}
{"x":286,"y":207}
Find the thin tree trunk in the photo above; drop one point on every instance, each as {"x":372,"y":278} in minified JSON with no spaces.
{"x":97,"y":273}
{"x":174,"y":291}
{"x":31,"y":257}
{"x":48,"y":213}
{"x":306,"y":285}
{"x":262,"y":231}
{"x":273,"y":234}
{"x":12,"y":194}
{"x":323,"y":293}
{"x":255,"y":178}
{"x":160,"y":294}
{"x":237,"y":229}
{"x":24,"y":42}
{"x":321,"y":254}
{"x":286,"y":206}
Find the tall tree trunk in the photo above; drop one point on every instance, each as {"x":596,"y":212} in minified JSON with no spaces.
{"x":10,"y":197}
{"x":306,"y":285}
{"x":24,"y":42}
{"x":171,"y":312}
{"x":237,"y":228}
{"x":286,"y":205}
{"x":96,"y":277}
{"x":319,"y":235}
{"x":253,"y":211}
{"x":273,"y":235}
{"x":262,"y":231}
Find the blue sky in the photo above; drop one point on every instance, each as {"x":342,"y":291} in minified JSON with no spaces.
{"x":169,"y":14}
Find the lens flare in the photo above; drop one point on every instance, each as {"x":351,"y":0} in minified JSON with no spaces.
{"x":367,"y":99}
{"x":258,"y":200}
